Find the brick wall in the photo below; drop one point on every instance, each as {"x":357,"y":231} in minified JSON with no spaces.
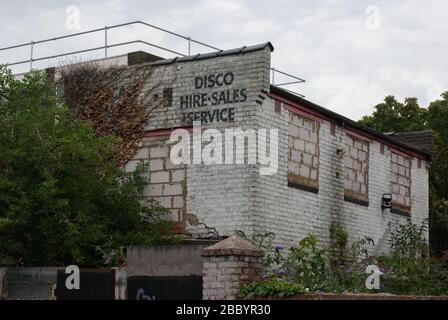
{"x":303,"y":157}
{"x":166,"y":181}
{"x":227,"y":266}
{"x":236,"y":197}
{"x":215,"y":196}
{"x":401,"y":183}
{"x":292,"y":213}
{"x":356,"y":169}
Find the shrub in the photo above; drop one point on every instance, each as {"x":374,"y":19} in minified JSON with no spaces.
{"x":63,"y":198}
{"x":271,"y":287}
{"x":409,"y":269}
{"x":340,"y":267}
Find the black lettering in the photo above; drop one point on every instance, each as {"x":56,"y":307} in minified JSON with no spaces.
{"x":188,"y":117}
{"x":184,"y":102}
{"x":243,"y":95}
{"x":221,"y":117}
{"x":211,"y":81}
{"x":213,"y":114}
{"x":222,"y":98}
{"x":196,"y":116}
{"x":236,"y":96}
{"x":214,"y":98}
{"x":203,"y":100}
{"x":218,"y":82}
{"x":228,"y":97}
{"x":196,"y":101}
{"x":228,"y":78}
{"x":198,"y":82}
{"x":231,"y":116}
{"x":203,"y":116}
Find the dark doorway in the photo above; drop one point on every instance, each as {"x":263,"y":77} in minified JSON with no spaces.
{"x":165,"y":288}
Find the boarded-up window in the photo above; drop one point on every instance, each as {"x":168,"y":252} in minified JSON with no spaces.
{"x":356,"y":170}
{"x":166,"y":181}
{"x":401,"y":183}
{"x":303,"y":157}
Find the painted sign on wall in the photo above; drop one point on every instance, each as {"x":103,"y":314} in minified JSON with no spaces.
{"x":196,"y":107}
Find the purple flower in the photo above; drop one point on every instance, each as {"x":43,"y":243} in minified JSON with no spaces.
{"x":281,"y":272}
{"x":279,"y":248}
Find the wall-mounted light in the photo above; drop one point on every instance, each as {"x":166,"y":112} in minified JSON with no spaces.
{"x":386,"y":202}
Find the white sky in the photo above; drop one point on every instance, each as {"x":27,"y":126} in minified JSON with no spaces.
{"x":350,"y":62}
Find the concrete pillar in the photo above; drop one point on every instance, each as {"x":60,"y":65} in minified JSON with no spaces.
{"x":227,"y":265}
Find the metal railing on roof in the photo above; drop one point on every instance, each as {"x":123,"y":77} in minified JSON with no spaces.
{"x":107,"y":45}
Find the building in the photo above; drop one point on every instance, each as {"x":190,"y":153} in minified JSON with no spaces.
{"x":329,"y":169}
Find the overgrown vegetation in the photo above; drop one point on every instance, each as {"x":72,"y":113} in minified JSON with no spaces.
{"x":111,"y":100}
{"x":272,"y":287}
{"x":340,"y":267}
{"x":63,"y":197}
{"x":409,"y":269}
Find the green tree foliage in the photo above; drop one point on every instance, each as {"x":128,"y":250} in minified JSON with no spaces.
{"x":63,"y":199}
{"x":392,"y":115}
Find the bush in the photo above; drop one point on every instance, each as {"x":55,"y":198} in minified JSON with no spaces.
{"x":409,"y":269}
{"x":271,"y":288}
{"x":63,"y":199}
{"x":340,"y":267}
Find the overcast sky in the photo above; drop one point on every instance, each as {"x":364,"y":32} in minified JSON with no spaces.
{"x":351,"y":53}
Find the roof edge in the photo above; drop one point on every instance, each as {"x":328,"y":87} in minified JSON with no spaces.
{"x":347,"y":122}
{"x":216,"y":54}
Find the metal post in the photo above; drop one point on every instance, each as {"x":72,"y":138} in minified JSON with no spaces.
{"x":189,"y":46}
{"x":105,"y":41}
{"x":31,"y":55}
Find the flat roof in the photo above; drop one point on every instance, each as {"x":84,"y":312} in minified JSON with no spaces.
{"x":216,"y":54}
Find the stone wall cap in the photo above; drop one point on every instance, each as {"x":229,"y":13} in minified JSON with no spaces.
{"x":233,"y":245}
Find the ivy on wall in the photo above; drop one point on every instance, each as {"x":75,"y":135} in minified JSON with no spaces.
{"x":113,"y":100}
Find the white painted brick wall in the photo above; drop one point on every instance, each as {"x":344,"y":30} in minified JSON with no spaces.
{"x":291,"y":213}
{"x":237,"y":197}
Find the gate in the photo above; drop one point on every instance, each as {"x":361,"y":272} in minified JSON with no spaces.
{"x":94,"y":285}
{"x":165,"y":288}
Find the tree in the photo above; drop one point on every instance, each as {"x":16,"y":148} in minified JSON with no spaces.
{"x":63,"y":198}
{"x":437,"y":121}
{"x":392,"y":115}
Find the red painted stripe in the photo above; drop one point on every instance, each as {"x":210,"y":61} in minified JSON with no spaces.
{"x":401,"y":153}
{"x":164,"y":132}
{"x":356,"y":134}
{"x":299,"y":109}
{"x":305,"y":112}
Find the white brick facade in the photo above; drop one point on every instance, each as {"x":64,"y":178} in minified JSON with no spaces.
{"x":344,"y":178}
{"x":236,"y":197}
